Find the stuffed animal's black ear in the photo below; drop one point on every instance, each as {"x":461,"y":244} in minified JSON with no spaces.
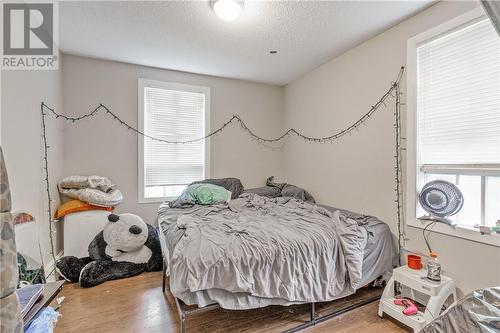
{"x":113,"y":217}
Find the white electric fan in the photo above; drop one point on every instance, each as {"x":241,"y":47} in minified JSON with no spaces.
{"x":440,"y":199}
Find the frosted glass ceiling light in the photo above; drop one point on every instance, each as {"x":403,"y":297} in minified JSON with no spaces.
{"x":227,"y":10}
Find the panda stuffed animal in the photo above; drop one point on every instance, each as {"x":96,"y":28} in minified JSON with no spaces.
{"x":126,"y":247}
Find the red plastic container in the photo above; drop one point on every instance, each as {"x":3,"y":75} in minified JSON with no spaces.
{"x":415,"y":262}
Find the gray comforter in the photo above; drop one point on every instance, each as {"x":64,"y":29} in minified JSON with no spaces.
{"x":258,"y":251}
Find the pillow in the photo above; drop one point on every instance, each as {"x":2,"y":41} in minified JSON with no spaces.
{"x":297,"y":192}
{"x":265,"y":191}
{"x":233,"y":185}
{"x":75,"y":206}
{"x":205,"y":194}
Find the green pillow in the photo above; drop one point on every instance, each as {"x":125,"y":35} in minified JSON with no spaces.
{"x":205,"y":194}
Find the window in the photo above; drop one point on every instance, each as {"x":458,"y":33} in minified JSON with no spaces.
{"x":454,"y":122}
{"x":171,"y":112}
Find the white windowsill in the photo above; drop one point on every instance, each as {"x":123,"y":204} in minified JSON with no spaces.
{"x":155,"y":200}
{"x":459,"y":231}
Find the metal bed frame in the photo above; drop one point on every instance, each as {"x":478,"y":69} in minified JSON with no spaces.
{"x":313,"y":319}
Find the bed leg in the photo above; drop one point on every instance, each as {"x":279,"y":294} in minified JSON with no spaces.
{"x":164,"y":268}
{"x":313,"y":312}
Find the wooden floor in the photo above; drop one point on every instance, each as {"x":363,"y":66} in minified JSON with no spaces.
{"x":138,"y":305}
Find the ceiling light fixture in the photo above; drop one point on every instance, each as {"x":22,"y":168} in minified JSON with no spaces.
{"x":227,"y":10}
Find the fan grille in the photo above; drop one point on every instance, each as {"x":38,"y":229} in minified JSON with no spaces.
{"x":441,"y":198}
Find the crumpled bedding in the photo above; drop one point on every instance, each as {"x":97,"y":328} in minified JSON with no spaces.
{"x":478,"y":312}
{"x":289,"y":190}
{"x":258,"y":251}
{"x":265,"y":191}
{"x":95,"y":190}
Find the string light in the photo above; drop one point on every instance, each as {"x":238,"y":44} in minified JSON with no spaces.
{"x":47,"y":184}
{"x":393,"y":91}
{"x":398,"y":167}
{"x":291,"y":131}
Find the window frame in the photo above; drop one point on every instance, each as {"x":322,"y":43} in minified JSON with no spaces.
{"x":143,"y":83}
{"x":413,"y":164}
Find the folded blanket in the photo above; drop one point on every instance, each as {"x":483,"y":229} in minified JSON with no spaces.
{"x":79,"y":182}
{"x":75,"y":206}
{"x":95,"y":190}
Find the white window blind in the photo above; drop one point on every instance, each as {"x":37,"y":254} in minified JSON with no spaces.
{"x":458,"y":99}
{"x":173,"y":115}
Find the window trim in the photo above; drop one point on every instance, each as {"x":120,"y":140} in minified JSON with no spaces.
{"x":463,"y":169}
{"x":143,"y":83}
{"x":412,"y":162}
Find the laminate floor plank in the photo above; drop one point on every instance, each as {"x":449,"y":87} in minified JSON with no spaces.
{"x":137,"y":305}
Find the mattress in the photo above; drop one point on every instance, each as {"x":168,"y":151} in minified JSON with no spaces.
{"x":378,"y":257}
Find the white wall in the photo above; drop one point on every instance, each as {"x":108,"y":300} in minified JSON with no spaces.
{"x":357,"y":172}
{"x":100,"y":146}
{"x":22,"y":92}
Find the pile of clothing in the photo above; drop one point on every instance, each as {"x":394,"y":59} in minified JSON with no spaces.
{"x":88,"y":193}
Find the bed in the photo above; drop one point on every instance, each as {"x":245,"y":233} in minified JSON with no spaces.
{"x":257,"y":251}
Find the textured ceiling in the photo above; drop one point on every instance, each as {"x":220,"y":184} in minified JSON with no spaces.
{"x":187,"y":36}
